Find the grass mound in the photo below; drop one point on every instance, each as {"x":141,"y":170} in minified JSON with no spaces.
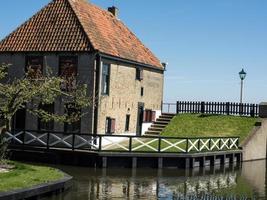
{"x":25,"y":176}
{"x":198,"y":125}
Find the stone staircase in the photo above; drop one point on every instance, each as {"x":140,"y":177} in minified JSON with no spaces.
{"x":157,"y":127}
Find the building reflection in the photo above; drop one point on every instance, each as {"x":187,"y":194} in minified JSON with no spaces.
{"x":91,"y":184}
{"x":165,"y":184}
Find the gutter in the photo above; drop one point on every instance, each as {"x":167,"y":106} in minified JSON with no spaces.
{"x":103,"y":55}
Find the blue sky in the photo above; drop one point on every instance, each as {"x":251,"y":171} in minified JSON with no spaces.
{"x":206,"y":43}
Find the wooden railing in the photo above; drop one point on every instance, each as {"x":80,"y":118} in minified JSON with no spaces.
{"x":223,"y":108}
{"x":120,"y":143}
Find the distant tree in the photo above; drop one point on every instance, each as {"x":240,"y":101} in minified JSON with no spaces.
{"x":35,"y":89}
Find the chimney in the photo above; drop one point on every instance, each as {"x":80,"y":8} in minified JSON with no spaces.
{"x":114,"y":11}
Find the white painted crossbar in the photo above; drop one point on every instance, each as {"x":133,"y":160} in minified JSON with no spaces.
{"x":175,"y":145}
{"x":145,"y":144}
{"x":34,"y":138}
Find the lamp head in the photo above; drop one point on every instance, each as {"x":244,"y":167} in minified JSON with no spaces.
{"x":242,"y":74}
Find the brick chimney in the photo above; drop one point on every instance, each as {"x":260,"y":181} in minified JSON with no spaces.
{"x":114,"y":11}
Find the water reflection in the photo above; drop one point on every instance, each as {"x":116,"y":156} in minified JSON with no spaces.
{"x":107,"y":184}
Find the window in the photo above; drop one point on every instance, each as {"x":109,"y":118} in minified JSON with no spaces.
{"x":74,"y":127}
{"x":43,"y":125}
{"x":139,"y":74}
{"x":142,"y":91}
{"x":149,"y":116}
{"x":110,"y":125}
{"x":68,"y":70}
{"x":105,"y":79}
{"x":127,"y":123}
{"x":34,"y":66}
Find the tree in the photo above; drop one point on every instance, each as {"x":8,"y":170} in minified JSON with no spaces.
{"x":35,"y":89}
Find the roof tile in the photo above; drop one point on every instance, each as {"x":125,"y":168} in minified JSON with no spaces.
{"x":76,"y":25}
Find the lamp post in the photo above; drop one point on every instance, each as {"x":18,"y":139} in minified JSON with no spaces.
{"x":242,"y":76}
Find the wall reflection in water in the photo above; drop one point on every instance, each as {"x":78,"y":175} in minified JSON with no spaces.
{"x":248,"y":179}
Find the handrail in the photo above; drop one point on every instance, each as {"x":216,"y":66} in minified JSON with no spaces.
{"x":128,"y":136}
{"x":120,"y":143}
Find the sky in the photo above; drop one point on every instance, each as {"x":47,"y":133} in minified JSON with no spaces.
{"x":205,"y":43}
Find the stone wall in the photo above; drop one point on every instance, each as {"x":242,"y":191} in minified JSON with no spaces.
{"x":125,"y":93}
{"x":254,"y":147}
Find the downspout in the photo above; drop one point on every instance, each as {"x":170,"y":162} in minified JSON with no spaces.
{"x":97,"y":90}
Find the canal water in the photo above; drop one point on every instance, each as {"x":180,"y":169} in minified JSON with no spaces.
{"x":233,"y":181}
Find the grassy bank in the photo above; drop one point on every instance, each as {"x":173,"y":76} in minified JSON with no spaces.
{"x":25,"y":176}
{"x":197,"y":125}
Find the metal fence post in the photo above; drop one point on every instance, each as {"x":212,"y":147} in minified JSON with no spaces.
{"x":252,"y":111}
{"x":220,"y":144}
{"x":159,"y":144}
{"x":73,"y":141}
{"x":100,"y":143}
{"x":227,"y":108}
{"x":202,"y":110}
{"x":130,"y":144}
{"x":177,"y":107}
{"x":186,"y":145}
{"x":23,"y":138}
{"x":47,"y":142}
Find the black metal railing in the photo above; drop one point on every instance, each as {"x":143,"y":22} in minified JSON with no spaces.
{"x":120,"y":143}
{"x":222,"y":108}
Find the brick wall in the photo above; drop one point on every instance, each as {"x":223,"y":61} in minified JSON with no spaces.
{"x":125,"y":93}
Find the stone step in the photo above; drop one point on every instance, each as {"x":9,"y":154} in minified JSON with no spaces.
{"x":168,"y":114}
{"x":156,"y":129}
{"x":158,"y":125}
{"x":152,"y":132}
{"x":165,"y":117}
{"x":163,"y":120}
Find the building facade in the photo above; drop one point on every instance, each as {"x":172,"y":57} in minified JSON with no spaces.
{"x":80,"y":41}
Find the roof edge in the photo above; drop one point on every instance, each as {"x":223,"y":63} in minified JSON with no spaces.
{"x":111,"y":57}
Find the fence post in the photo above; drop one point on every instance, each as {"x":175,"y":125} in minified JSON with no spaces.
{"x":47,"y":142}
{"x":159,"y":149}
{"x":241,"y":109}
{"x":100,"y":143}
{"x":177,"y":107}
{"x":202,"y":110}
{"x":227,"y":108}
{"x":23,"y":138}
{"x":252,"y":111}
{"x":73,"y":141}
{"x":187,"y":145}
{"x":220,"y":144}
{"x":130,"y":144}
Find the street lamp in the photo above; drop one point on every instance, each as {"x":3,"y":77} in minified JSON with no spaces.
{"x":242,"y":76}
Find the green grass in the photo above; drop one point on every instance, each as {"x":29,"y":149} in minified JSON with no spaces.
{"x":197,"y":125}
{"x":25,"y":176}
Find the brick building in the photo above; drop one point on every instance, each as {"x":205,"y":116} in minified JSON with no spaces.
{"x":76,"y":38}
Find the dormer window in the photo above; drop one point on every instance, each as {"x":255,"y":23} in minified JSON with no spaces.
{"x":68,"y":71}
{"x":34,"y":66}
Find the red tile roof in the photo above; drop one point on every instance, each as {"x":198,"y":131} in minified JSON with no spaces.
{"x":76,"y":25}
